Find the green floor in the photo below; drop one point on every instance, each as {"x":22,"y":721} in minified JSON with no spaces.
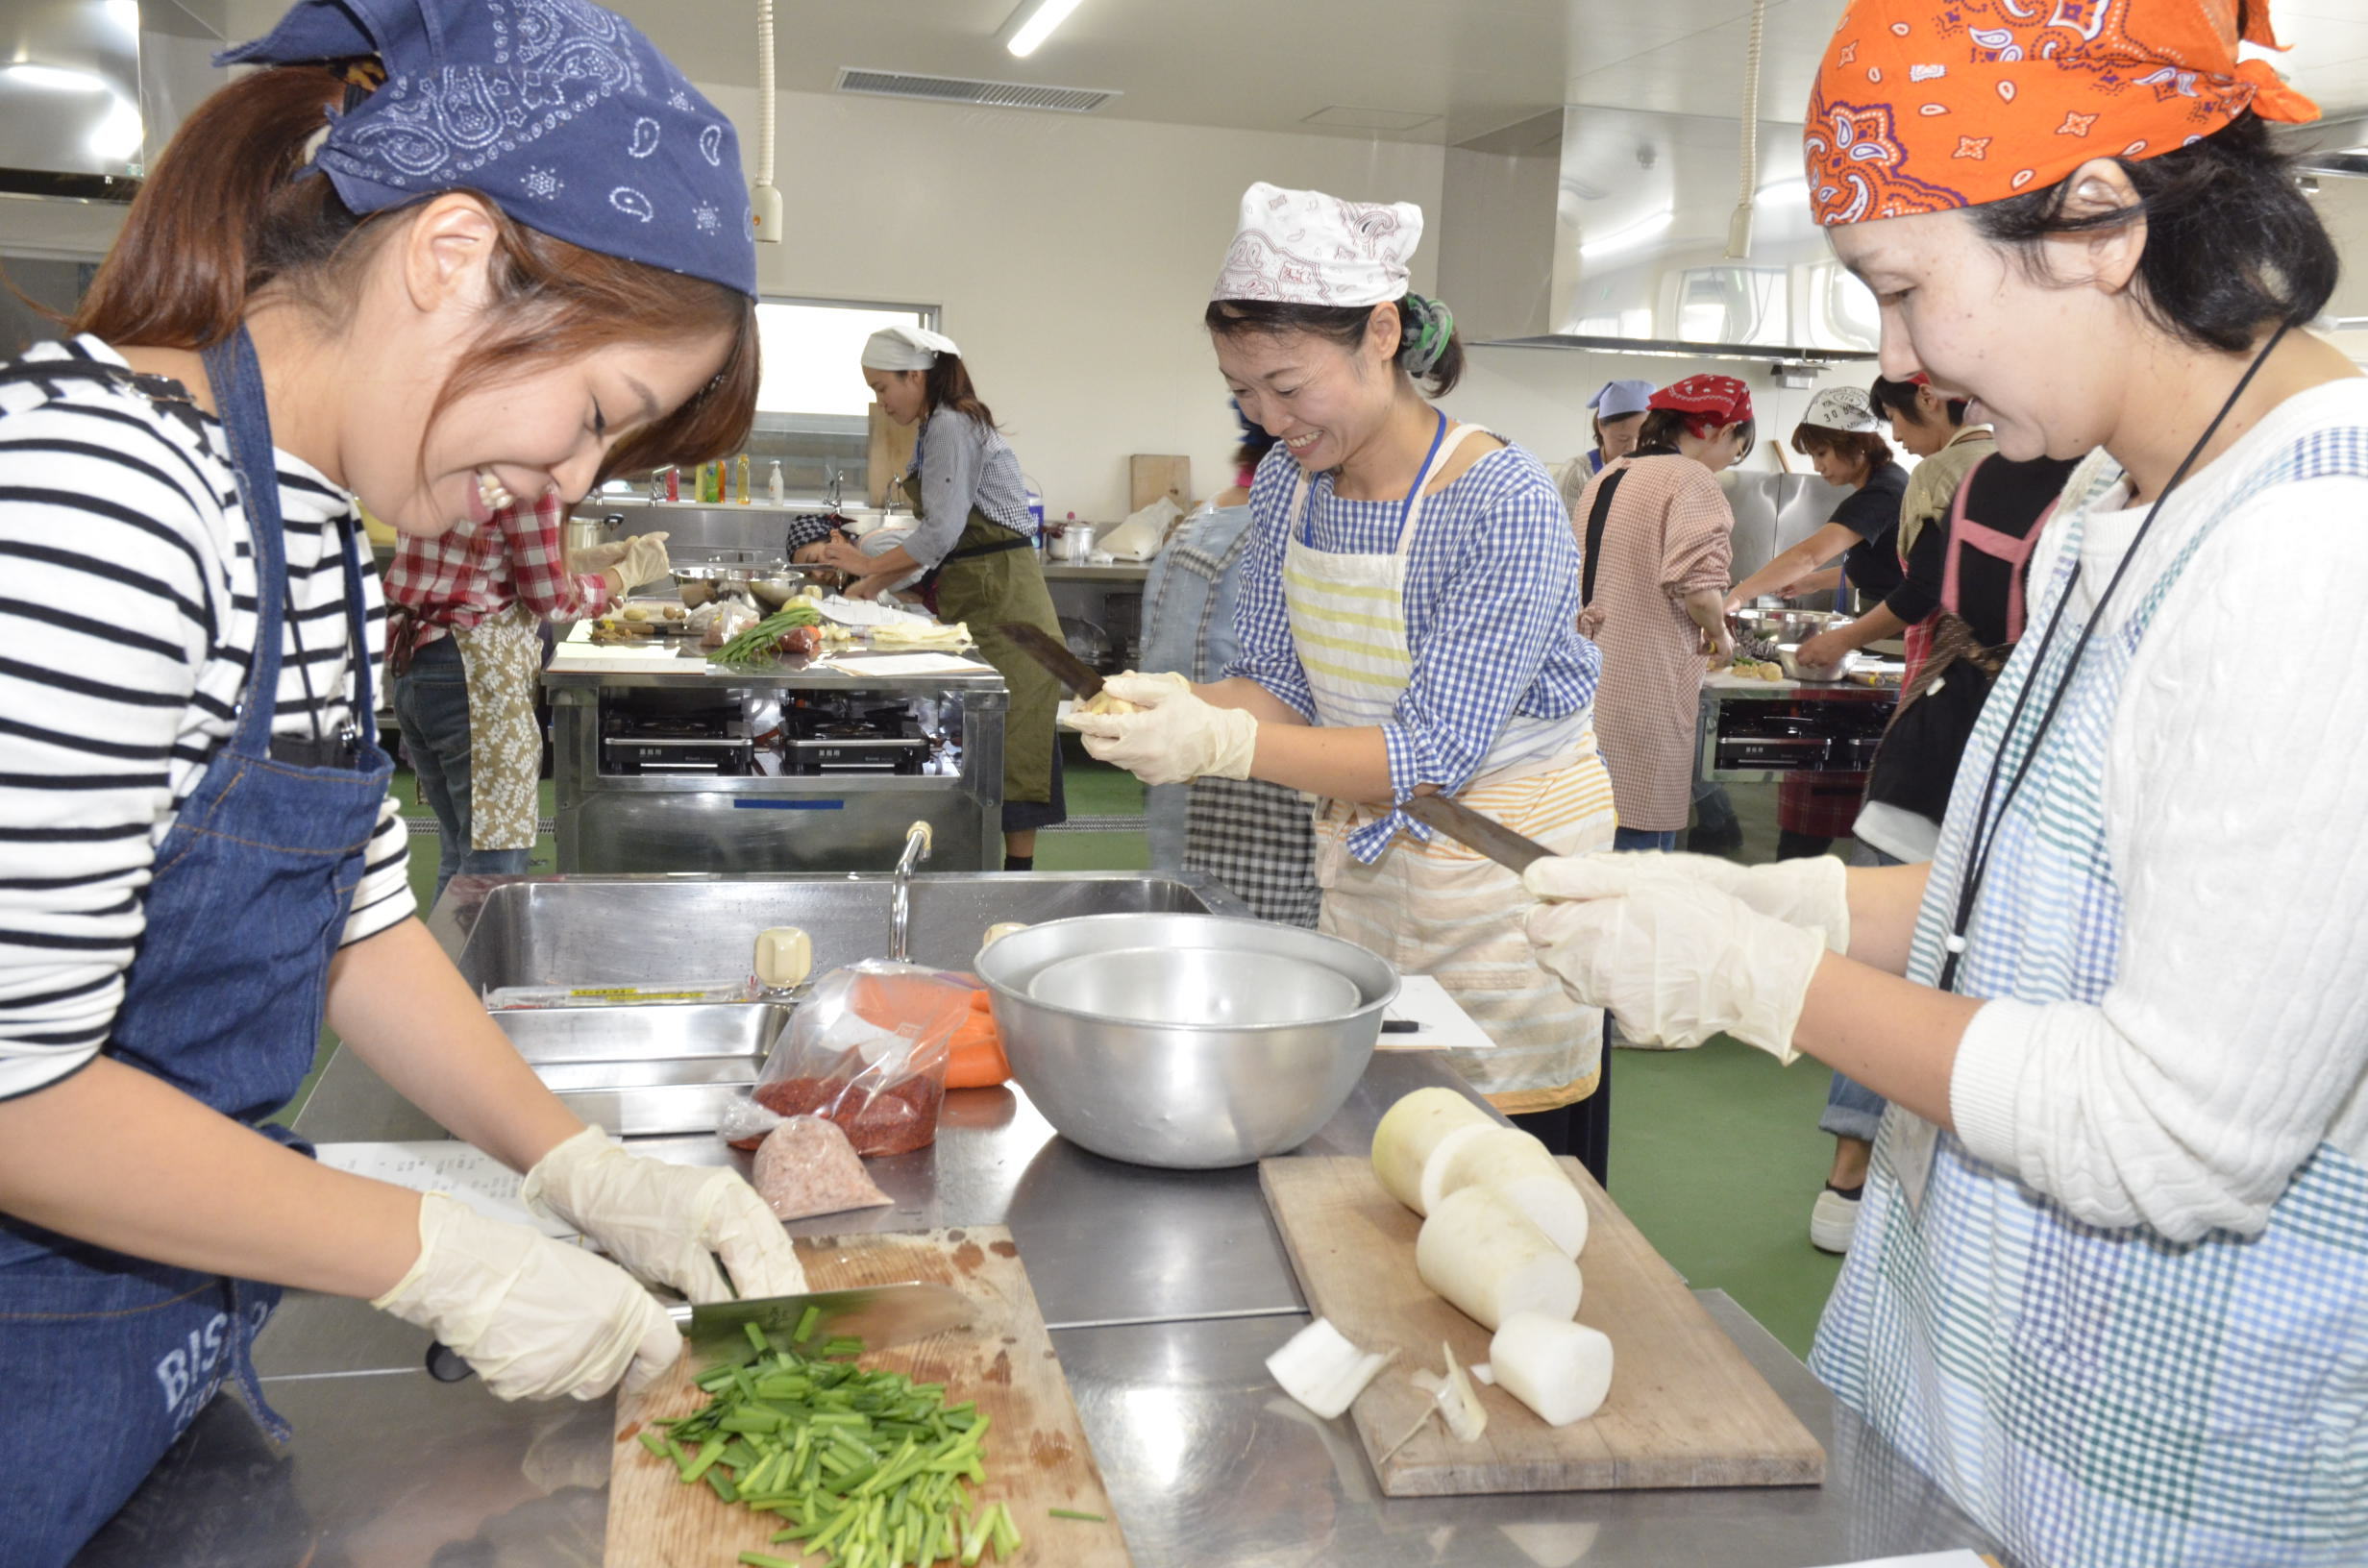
{"x":1716,"y":1153}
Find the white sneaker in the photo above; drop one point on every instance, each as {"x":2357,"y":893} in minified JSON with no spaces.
{"x":1833,"y":1221}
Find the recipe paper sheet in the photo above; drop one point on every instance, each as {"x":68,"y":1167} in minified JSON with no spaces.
{"x":460,"y":1170}
{"x":1442,"y":1025}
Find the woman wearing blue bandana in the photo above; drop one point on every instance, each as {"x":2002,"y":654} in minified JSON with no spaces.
{"x":440,"y":257}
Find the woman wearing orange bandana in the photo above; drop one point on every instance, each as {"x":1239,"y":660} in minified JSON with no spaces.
{"x":2109,"y":1285}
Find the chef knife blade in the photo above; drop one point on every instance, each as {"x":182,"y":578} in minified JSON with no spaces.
{"x":1468,"y":827}
{"x":1083,"y":681}
{"x":877,"y":1314}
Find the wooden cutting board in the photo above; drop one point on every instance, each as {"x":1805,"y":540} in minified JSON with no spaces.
{"x":1037,"y":1457}
{"x":1150,"y":476}
{"x":1686,"y":1409}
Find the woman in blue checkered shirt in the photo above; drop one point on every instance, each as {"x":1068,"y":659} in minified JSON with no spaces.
{"x":1407,"y":625}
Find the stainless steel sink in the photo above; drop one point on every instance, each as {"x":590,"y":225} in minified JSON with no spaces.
{"x":656,"y":1033}
{"x":642,"y":1071}
{"x":576,"y":930}
{"x":665,"y":1068}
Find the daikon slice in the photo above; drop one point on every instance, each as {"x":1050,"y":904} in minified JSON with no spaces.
{"x":1408,"y":1133}
{"x":1519,"y":1166}
{"x":1489,"y":1259}
{"x":1318,"y":1367}
{"x":1444,"y":1162}
{"x":1460,"y":1401}
{"x":1558,"y":1368}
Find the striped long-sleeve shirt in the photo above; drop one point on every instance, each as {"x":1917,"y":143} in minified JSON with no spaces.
{"x":127,"y":630}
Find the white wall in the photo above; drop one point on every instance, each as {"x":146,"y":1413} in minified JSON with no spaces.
{"x":1071,"y":256}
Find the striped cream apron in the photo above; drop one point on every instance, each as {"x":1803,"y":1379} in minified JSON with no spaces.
{"x":1437,"y":908}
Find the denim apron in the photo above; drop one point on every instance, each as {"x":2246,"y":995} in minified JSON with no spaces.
{"x":246,"y":907}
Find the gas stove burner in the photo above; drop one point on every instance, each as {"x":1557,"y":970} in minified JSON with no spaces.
{"x":653,"y":729}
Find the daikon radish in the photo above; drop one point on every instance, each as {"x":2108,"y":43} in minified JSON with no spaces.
{"x":1520,"y":1167}
{"x":1459,"y":1402}
{"x":1558,"y":1368}
{"x":1490,"y":1260}
{"x":1318,"y":1367}
{"x":1408,"y":1133}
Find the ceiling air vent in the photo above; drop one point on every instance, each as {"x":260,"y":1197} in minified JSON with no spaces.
{"x":954,"y":89}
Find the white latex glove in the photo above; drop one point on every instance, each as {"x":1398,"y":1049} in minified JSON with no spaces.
{"x":666,"y":1222}
{"x":1176,"y":738}
{"x":537,"y":1318}
{"x":1677,"y":962}
{"x":1812,"y":893}
{"x":644,"y":560}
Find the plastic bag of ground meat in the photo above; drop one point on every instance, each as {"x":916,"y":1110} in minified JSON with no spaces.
{"x":866,"y":1051}
{"x":806,"y":1167}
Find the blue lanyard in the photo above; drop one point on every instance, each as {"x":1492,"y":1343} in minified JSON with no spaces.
{"x":1406,"y":507}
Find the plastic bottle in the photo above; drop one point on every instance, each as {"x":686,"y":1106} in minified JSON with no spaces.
{"x":774,"y":491}
{"x":740,"y":479}
{"x":711,"y":482}
{"x":674,"y":484}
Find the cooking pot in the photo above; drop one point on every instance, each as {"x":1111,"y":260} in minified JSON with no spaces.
{"x":582,"y":533}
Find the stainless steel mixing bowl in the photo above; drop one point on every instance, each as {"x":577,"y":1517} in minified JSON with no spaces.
{"x":1184,"y":1089}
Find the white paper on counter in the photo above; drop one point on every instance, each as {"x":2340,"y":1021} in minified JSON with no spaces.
{"x":907,"y":664}
{"x":868,"y":612}
{"x":443,"y":1165}
{"x":1445,"y":1027}
{"x":1960,"y":1558}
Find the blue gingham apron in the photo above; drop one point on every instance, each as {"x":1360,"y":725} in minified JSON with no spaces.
{"x":2101,"y":1398}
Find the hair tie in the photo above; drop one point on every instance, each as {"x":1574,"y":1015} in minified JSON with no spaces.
{"x":1434,"y":326}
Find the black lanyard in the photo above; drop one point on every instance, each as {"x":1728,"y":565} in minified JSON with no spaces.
{"x":1986,"y":824}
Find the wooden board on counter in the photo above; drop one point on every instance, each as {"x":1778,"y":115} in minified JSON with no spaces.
{"x":1686,"y":1409}
{"x":1037,"y":1457}
{"x":888,"y":451}
{"x":1149,"y":476}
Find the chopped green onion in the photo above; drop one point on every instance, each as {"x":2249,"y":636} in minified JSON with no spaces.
{"x":806,"y":1321}
{"x":1073,"y":1513}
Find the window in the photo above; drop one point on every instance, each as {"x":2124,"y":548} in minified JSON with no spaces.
{"x":811,"y":353}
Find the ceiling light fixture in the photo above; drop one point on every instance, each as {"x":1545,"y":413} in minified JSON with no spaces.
{"x":57,"y":79}
{"x":1033,"y":23}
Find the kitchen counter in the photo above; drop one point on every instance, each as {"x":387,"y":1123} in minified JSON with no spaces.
{"x":1165,"y":1292}
{"x":1116,"y":572}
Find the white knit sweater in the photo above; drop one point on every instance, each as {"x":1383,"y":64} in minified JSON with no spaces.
{"x":2235,"y":1039}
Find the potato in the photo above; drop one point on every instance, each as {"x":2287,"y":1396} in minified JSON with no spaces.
{"x":637,"y":612}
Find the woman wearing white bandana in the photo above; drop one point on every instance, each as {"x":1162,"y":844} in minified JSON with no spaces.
{"x":1406,"y":628}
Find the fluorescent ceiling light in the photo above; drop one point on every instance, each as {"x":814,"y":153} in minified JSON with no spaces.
{"x":56,"y":79}
{"x":1041,"y":17}
{"x":1629,"y":235}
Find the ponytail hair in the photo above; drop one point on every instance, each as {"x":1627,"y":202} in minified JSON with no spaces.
{"x":1429,"y":348}
{"x":946,"y":384}
{"x":231,"y":211}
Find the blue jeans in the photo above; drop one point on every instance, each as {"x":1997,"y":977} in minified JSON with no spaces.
{"x":432,"y":704}
{"x":1852,"y":1110}
{"x":1630,"y":839}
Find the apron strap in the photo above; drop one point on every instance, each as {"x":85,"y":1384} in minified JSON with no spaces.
{"x":2014,"y":550}
{"x":238,"y":379}
{"x":1596,"y":515}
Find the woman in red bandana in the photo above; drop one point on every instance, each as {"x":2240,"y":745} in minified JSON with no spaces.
{"x":2110,"y":1283}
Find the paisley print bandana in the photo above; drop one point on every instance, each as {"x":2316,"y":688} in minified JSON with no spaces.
{"x":559,"y":112}
{"x":1923,"y":106}
{"x":1713,"y":401}
{"x":1302,"y":247}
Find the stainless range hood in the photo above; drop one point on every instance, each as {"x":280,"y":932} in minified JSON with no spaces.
{"x":90,"y":90}
{"x":1607,"y":230}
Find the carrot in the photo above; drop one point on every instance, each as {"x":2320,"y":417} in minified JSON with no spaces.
{"x":974,"y":1056}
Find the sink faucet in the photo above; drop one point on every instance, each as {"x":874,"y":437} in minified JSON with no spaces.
{"x":900,"y":898}
{"x":837,"y":478}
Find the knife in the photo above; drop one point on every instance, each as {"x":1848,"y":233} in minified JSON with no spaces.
{"x":1468,"y":828}
{"x":877,"y":1314}
{"x":1081,"y":678}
